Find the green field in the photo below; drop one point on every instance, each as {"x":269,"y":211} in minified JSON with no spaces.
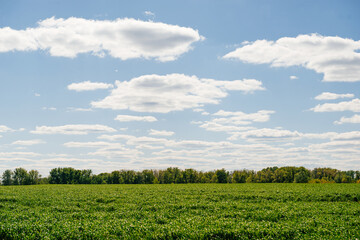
{"x":182,"y":211}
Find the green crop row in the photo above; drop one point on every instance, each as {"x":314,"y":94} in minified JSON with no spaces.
{"x":191,"y":211}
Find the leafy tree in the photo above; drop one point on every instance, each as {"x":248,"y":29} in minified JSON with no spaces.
{"x":33,"y":177}
{"x":190,"y":175}
{"x":147,"y":176}
{"x":221,"y":175}
{"x":20,"y":177}
{"x":115,"y":177}
{"x":7,"y":177}
{"x":302,"y":177}
{"x":85,"y":176}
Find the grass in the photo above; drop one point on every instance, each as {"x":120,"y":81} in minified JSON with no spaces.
{"x":189,"y":211}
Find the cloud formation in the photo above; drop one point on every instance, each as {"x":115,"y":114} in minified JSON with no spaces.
{"x":172,"y":92}
{"x":160,"y":133}
{"x":28,"y":142}
{"x":4,"y":128}
{"x":333,"y":96}
{"x":353,"y":105}
{"x":233,"y":122}
{"x":130,"y":118}
{"x":73,"y":129}
{"x":353,"y":119}
{"x":337,"y":58}
{"x":89,"y":86}
{"x":121,"y":38}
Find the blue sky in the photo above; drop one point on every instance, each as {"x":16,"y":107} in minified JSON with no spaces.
{"x":193,"y":84}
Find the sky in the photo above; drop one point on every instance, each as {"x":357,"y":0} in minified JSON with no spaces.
{"x":109,"y":85}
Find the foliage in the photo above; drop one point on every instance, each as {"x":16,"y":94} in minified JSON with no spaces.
{"x":170,"y":175}
{"x":181,"y":211}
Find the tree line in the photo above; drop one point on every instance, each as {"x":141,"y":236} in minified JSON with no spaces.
{"x":68,"y":175}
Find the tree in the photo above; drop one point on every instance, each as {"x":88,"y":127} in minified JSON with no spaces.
{"x":240,"y":176}
{"x":301,"y":177}
{"x":20,"y":176}
{"x":7,"y":177}
{"x":33,"y":177}
{"x":147,"y":176}
{"x":85,"y":176}
{"x":115,"y":177}
{"x":189,"y":175}
{"x":221,"y":175}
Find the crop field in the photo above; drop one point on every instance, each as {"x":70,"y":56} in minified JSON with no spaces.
{"x":182,"y":211}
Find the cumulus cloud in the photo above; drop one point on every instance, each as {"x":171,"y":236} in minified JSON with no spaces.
{"x":337,"y":58}
{"x":333,"y":96}
{"x":227,"y":121}
{"x":160,"y":133}
{"x":130,"y":118}
{"x":172,"y":92}
{"x":91,"y":144}
{"x":293,"y":77}
{"x":28,"y":142}
{"x":120,"y":38}
{"x":4,"y":128}
{"x":353,"y":105}
{"x":269,"y":134}
{"x":73,"y":129}
{"x":260,"y":116}
{"x":354,"y":135}
{"x":89,"y":86}
{"x":353,"y":119}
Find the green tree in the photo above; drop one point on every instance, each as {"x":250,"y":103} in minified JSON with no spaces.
{"x":7,"y":177}
{"x":221,"y":175}
{"x":33,"y":177}
{"x":147,"y":176}
{"x":240,"y":176}
{"x":20,"y":176}
{"x":302,"y":177}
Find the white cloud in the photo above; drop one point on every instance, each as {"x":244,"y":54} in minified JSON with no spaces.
{"x":260,"y":116}
{"x":233,"y":121}
{"x":4,"y":128}
{"x":73,"y":109}
{"x":149,"y":13}
{"x":333,"y":96}
{"x":160,"y":133}
{"x":120,"y":38}
{"x":293,"y":77}
{"x":28,"y":142}
{"x":75,"y":129}
{"x":173,"y":92}
{"x":354,"y":135}
{"x":217,"y":127}
{"x":353,"y":105}
{"x":207,"y":155}
{"x":90,"y":144}
{"x":129,"y":118}
{"x":49,"y":108}
{"x":115,"y":137}
{"x":270,"y":134}
{"x":37,"y":94}
{"x":89,"y":86}
{"x":337,"y":58}
{"x":353,"y":119}
{"x":18,"y":154}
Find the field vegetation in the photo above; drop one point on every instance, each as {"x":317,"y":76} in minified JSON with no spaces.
{"x":181,"y":211}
